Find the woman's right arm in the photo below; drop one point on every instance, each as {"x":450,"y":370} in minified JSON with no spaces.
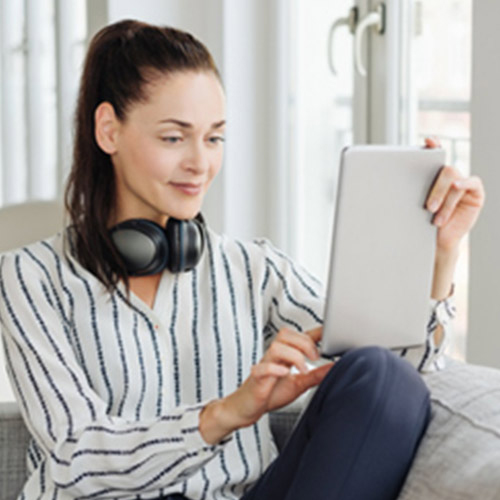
{"x":88,"y":453}
{"x":270,"y":385}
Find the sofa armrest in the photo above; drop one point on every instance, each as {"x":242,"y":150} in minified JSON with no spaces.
{"x":282,"y":423}
{"x":14,"y":438}
{"x":459,"y":456}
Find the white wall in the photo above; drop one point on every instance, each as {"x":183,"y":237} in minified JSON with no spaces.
{"x":484,"y":324}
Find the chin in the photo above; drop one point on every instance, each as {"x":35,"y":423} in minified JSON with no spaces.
{"x":183,"y":214}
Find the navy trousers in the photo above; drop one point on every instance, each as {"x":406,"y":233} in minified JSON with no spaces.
{"x":358,"y":436}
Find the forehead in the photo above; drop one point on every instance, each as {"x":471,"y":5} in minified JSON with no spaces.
{"x":194,"y":97}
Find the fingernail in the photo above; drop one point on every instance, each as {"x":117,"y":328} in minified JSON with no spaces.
{"x":433,"y":206}
{"x":438,"y":220}
{"x":459,"y":184}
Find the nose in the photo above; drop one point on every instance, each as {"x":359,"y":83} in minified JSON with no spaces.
{"x":197,"y":158}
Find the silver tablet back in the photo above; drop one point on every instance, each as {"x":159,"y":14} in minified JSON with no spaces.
{"x":382,"y":253}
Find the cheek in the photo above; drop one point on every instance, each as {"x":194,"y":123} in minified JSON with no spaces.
{"x":153,"y":162}
{"x":216,"y":165}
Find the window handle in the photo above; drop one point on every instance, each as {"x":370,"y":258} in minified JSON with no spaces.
{"x":351,"y":21}
{"x":375,"y":19}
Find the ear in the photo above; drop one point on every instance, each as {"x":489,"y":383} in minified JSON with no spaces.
{"x":106,"y":127}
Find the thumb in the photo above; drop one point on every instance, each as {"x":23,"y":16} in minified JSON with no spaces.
{"x":314,"y":377}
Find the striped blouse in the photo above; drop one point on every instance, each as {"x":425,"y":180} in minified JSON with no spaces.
{"x":111,"y":391}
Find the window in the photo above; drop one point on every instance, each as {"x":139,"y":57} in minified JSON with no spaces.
{"x":439,"y":92}
{"x":42,"y":47}
{"x":417,"y":86}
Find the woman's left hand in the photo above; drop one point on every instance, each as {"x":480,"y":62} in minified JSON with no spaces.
{"x":456,"y":202}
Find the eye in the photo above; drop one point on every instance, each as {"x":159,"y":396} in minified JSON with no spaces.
{"x":217,"y":139}
{"x":171,"y":139}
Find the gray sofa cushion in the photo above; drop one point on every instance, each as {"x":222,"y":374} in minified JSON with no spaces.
{"x":14,"y":439}
{"x":460,"y":455}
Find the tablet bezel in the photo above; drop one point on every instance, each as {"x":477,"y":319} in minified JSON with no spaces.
{"x":371,"y":300}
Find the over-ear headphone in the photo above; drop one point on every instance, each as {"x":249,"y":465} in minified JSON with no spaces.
{"x":148,"y":248}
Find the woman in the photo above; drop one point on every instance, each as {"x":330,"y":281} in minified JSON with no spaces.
{"x":142,"y":379}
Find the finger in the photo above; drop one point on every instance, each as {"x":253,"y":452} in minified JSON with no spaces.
{"x":281,"y":353}
{"x":314,"y":377}
{"x":440,"y":188}
{"x":473,"y":185}
{"x":450,"y":202}
{"x":303,"y":343}
{"x":264,"y":370}
{"x":316,"y":334}
{"x":432,"y":142}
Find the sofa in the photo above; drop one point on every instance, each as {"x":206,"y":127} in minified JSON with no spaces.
{"x":458,"y":458}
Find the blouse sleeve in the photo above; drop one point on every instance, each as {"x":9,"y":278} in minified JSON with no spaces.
{"x":294,"y":298}
{"x":431,"y":357}
{"x":88,"y":453}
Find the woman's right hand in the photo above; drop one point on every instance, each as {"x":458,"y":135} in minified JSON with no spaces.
{"x":270,"y":385}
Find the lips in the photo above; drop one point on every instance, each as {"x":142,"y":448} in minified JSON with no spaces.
{"x":188,"y":188}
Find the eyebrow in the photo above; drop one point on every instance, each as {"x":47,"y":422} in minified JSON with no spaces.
{"x":189,"y":125}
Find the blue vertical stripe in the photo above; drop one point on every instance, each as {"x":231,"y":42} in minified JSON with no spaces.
{"x":194,"y":331}
{"x":220,"y":379}
{"x":121,"y":350}
{"x":42,"y":477}
{"x":97,"y":338}
{"x":156,"y":350}
{"x":256,"y":338}
{"x":76,"y":339}
{"x":239,"y":370}
{"x":15,"y":380}
{"x":173,"y":340}
{"x":207,"y":483}
{"x":265,"y":280}
{"x":215,"y":319}
{"x":197,"y":361}
{"x":142,"y":368}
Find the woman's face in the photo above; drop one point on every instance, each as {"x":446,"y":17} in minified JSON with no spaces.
{"x":169,"y":148}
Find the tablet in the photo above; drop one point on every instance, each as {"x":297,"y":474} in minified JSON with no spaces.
{"x":383,"y":248}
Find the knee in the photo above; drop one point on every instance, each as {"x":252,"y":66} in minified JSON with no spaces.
{"x":377,"y":372}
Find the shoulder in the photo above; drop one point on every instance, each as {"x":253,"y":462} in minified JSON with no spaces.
{"x":261,"y":257}
{"x":252,"y":252}
{"x":34,"y":260}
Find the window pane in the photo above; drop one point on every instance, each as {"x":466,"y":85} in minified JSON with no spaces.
{"x":439,"y":72}
{"x":322,"y":124}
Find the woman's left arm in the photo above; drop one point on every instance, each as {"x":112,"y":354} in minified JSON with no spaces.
{"x":456,"y":202}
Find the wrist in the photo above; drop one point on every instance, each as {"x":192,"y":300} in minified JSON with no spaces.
{"x":447,"y":254}
{"x":216,"y":421}
{"x":444,"y":270}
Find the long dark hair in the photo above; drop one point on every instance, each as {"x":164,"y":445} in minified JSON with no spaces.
{"x":121,"y":60}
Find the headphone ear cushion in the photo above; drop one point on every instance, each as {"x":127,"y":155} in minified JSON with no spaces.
{"x":187,"y":242}
{"x":142,"y":245}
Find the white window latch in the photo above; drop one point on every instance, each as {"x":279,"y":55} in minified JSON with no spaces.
{"x":351,"y":22}
{"x":375,"y":19}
